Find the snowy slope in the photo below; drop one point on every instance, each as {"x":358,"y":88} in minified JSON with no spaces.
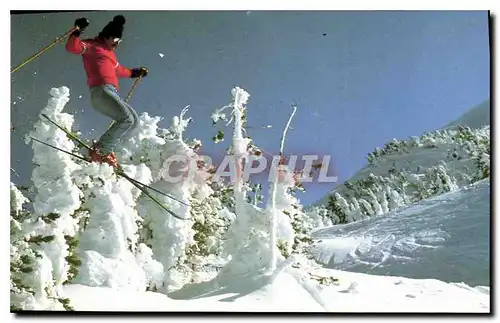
{"x":474,"y":118}
{"x":445,"y":237}
{"x":353,"y":292}
{"x":426,"y":219}
{"x":416,"y":155}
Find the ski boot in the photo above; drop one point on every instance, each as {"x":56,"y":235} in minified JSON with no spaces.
{"x":96,"y":156}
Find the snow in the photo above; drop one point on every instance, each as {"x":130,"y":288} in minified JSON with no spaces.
{"x":451,"y":227}
{"x":354,"y":292}
{"x":132,"y":255}
{"x":403,"y":295}
{"x":18,"y":199}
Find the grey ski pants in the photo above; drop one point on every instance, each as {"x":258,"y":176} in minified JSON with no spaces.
{"x":106,"y":100}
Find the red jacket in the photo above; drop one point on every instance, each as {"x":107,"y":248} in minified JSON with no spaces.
{"x":100,"y":63}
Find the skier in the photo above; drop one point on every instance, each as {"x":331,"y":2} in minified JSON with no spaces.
{"x":103,"y":70}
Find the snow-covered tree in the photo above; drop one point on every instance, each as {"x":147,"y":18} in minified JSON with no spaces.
{"x":483,"y":166}
{"x":83,"y":228}
{"x":293,"y":224}
{"x":337,"y":212}
{"x":109,"y":241}
{"x":23,"y":258}
{"x":119,"y":237}
{"x":55,"y":220}
{"x":248,"y":230}
{"x":186,"y":248}
{"x":438,"y":181}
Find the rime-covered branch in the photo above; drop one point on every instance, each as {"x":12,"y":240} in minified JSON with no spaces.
{"x":272,"y":211}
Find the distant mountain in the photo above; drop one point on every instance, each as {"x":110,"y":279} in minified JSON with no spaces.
{"x":475,"y":118}
{"x":404,"y":172}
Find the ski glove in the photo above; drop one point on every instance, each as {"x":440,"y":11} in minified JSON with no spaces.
{"x":139,"y":72}
{"x":81,"y":24}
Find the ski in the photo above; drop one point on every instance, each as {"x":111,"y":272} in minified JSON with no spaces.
{"x":144,"y":190}
{"x":68,"y":133}
{"x":60,"y":149}
{"x":151,"y":188}
{"x":119,"y":171}
{"x":139,"y":185}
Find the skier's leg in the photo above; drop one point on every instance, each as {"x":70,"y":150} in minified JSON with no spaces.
{"x":132,"y":120}
{"x":106,"y":100}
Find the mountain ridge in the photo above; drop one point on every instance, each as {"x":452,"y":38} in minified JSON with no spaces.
{"x":437,"y":161}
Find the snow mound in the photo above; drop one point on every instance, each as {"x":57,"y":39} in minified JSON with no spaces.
{"x":285,"y":293}
{"x":398,"y":294}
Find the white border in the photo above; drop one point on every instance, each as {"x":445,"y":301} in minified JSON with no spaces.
{"x":196,"y":5}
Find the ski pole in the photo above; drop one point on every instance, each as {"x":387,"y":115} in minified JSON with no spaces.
{"x":133,"y":88}
{"x":13,"y":170}
{"x":41,"y":51}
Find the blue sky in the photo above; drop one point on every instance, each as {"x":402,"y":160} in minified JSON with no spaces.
{"x":358,"y":78}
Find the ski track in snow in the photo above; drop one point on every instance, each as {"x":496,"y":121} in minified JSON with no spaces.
{"x":412,"y":236}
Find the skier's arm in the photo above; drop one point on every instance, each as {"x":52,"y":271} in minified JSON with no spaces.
{"x":75,"y":45}
{"x":123,"y":71}
{"x":135,"y":72}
